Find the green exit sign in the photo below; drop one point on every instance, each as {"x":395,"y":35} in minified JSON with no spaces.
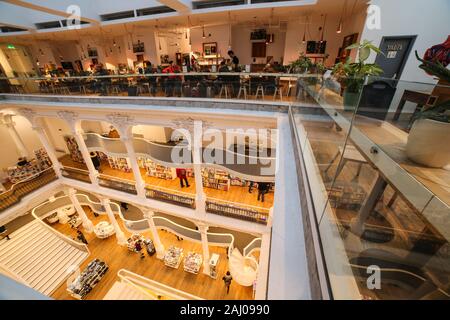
{"x":11,"y":46}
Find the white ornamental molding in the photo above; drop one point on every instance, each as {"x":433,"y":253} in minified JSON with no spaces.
{"x":29,"y":114}
{"x":188,"y":124}
{"x":121,"y":122}
{"x":70,"y":117}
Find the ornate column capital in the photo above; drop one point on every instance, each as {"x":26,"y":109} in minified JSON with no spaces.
{"x":202,"y":227}
{"x":122,"y":122}
{"x":30,"y":115}
{"x":71,"y":191}
{"x":6,"y":119}
{"x":70,"y":117}
{"x":148,"y":213}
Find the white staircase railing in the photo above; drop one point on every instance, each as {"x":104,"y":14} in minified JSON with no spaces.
{"x":157,"y":288}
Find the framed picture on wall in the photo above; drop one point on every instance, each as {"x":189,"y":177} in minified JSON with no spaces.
{"x":138,"y":47}
{"x":210,"y":48}
{"x":92,"y":52}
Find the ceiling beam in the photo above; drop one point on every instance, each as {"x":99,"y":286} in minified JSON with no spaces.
{"x":20,"y":26}
{"x":29,"y":5}
{"x":178,"y":5}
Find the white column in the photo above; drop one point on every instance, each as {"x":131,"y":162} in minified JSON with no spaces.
{"x":93,"y":173}
{"x":87,"y":224}
{"x":121,"y":239}
{"x":263,"y":267}
{"x":48,"y":147}
{"x":159,"y":247}
{"x":10,"y":125}
{"x":127,"y":139}
{"x":203,"y":228}
{"x":200,"y":197}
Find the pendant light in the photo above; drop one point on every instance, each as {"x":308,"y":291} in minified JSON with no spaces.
{"x":339,"y":28}
{"x":203,"y":32}
{"x":323,"y":28}
{"x":304,"y":31}
{"x":114,"y":43}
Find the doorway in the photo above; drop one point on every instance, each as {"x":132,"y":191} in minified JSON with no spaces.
{"x":396,"y":51}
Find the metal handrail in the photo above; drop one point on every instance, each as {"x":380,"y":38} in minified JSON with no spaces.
{"x":238,"y":205}
{"x":187,"y":194}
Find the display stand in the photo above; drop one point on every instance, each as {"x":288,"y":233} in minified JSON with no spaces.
{"x":173,"y":257}
{"x":213,"y":263}
{"x":88,"y":279}
{"x":75,"y":221}
{"x":193,"y":262}
{"x":215,"y":179}
{"x":119,"y":163}
{"x":104,"y":230}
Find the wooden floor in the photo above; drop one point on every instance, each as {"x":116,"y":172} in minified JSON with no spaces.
{"x":234,"y":194}
{"x":118,"y":257}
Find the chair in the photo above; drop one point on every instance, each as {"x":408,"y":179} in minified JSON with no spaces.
{"x":260,"y":91}
{"x":226,"y":90}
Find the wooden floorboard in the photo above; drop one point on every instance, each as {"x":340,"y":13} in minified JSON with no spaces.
{"x":118,"y":257}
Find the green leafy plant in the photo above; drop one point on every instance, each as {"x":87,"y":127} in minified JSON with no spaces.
{"x":300,"y":65}
{"x":351,"y":75}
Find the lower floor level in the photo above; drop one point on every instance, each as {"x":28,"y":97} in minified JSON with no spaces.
{"x":120,"y":257}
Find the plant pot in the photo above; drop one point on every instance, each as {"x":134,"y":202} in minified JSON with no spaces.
{"x":350,"y":100}
{"x":428,"y":143}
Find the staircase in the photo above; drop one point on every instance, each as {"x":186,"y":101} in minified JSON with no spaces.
{"x":39,"y":257}
{"x":124,"y":291}
{"x":19,"y":190}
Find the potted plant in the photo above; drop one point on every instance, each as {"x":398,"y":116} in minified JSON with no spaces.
{"x":428,"y":138}
{"x":301,"y":65}
{"x":351,"y":75}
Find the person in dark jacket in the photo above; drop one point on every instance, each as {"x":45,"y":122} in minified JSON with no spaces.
{"x":181,"y":174}
{"x":263,"y":188}
{"x":227,"y":280}
{"x":95,"y":160}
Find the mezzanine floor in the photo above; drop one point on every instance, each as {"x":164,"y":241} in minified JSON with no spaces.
{"x":118,"y":257}
{"x":235,"y":194}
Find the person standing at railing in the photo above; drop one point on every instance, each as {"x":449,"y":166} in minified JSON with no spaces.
{"x":172,"y":82}
{"x":181,"y":174}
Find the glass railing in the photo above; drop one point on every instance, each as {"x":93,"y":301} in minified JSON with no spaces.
{"x":170,"y":196}
{"x":237,"y":210}
{"x":117,"y":183}
{"x":261,"y":86}
{"x":75,"y":173}
{"x":18,"y":190}
{"x":378,"y":172}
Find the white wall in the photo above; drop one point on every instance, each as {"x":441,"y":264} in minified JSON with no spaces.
{"x":242,"y":46}
{"x":56,"y":129}
{"x":429,"y":20}
{"x":219,"y":34}
{"x":152,"y":133}
{"x":294,"y":35}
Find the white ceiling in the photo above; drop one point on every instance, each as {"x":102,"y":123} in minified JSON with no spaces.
{"x":249,"y":17}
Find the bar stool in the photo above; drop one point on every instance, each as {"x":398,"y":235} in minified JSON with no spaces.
{"x":225,"y":89}
{"x":279,"y":90}
{"x":242,"y":89}
{"x":260,"y":90}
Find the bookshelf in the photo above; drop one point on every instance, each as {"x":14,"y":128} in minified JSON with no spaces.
{"x":215,"y":179}
{"x":156,"y":170}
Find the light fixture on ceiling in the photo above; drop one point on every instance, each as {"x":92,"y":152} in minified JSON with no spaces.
{"x":37,"y":62}
{"x":304,"y":31}
{"x":203,"y":32}
{"x":323,"y":28}
{"x":339,"y":28}
{"x":114,"y":43}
